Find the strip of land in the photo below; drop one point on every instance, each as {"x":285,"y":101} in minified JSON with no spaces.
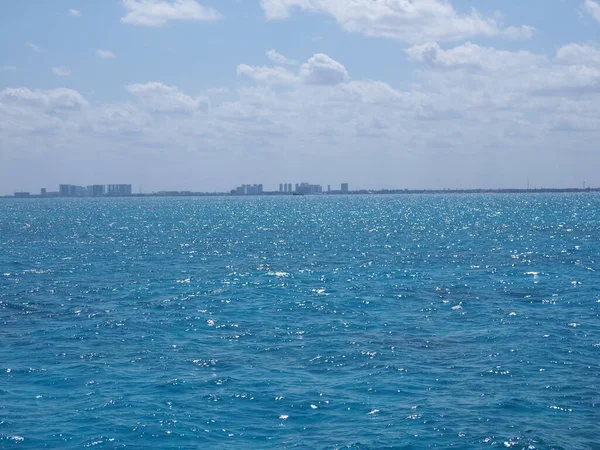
{"x":27,"y":195}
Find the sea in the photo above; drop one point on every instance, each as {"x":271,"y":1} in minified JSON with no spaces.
{"x":314,"y":322}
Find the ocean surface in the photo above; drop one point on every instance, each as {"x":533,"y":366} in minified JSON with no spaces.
{"x":350,"y":322}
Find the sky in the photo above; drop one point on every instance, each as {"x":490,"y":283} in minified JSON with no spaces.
{"x":205,"y":95}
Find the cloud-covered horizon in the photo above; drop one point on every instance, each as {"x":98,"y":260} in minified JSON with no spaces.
{"x":459,"y":105}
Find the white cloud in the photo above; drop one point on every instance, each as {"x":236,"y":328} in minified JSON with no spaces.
{"x":158,"y":97}
{"x":375,"y":92}
{"x":578,"y":54}
{"x":74,"y":12}
{"x":321,"y":69}
{"x":282,"y":9}
{"x":414,"y":21}
{"x":61,"y":71}
{"x":278,"y":58}
{"x":318,"y":70}
{"x":522,"y":32}
{"x":505,"y":79}
{"x":472,"y":56}
{"x":157,"y":13}
{"x":487,"y":106}
{"x":592,"y":8}
{"x":573,"y":66}
{"x":269,"y":75}
{"x":8,"y":68}
{"x":54,"y":99}
{"x":34,"y":47}
{"x":106,"y":54}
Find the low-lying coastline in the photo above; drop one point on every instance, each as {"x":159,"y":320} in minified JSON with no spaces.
{"x":356,"y":192}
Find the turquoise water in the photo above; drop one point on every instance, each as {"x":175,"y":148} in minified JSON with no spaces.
{"x":364,"y":322}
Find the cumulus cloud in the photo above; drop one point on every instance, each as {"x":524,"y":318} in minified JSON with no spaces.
{"x":409,"y":21}
{"x":592,"y":8}
{"x":8,"y":68}
{"x":106,"y":54}
{"x":157,"y":13}
{"x":74,"y":12}
{"x":318,"y":70}
{"x":321,"y":69}
{"x":53,"y":99}
{"x":278,"y":58}
{"x":472,"y":56}
{"x":489,"y":105}
{"x":119,"y":120}
{"x":578,"y":53}
{"x":32,"y":119}
{"x":282,"y":9}
{"x":373,"y":92}
{"x":575,"y":68}
{"x":269,"y":75}
{"x":61,"y":71}
{"x":158,"y":97}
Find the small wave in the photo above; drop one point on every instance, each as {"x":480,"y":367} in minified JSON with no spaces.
{"x":37,"y":271}
{"x":559,"y":408}
{"x":278,"y":274}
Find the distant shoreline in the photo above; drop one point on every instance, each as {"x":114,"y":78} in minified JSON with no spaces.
{"x":334,"y":193}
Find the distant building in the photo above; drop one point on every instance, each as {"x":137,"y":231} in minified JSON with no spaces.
{"x":71,"y":190}
{"x":289,"y":187}
{"x":280,"y":187}
{"x":308,"y":189}
{"x":43,"y":192}
{"x":345,"y":188}
{"x":96,"y":190}
{"x":118,"y":189}
{"x":64,"y":190}
{"x":22,"y":194}
{"x":248,"y":189}
{"x":79,"y":191}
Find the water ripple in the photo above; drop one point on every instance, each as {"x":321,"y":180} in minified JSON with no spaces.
{"x":306,"y":322}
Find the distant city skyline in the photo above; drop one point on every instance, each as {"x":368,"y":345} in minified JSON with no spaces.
{"x":303,"y":188}
{"x":253,"y":190}
{"x":101,"y":190}
{"x":202,"y":95}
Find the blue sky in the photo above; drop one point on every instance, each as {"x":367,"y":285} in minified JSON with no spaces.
{"x":207,"y":94}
